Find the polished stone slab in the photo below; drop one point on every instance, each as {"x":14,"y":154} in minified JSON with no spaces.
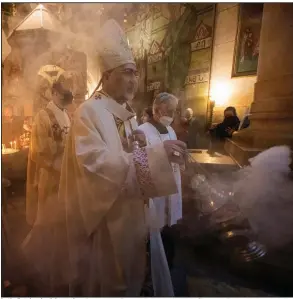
{"x":203,"y":157}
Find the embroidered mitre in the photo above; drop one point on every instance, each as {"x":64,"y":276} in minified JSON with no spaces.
{"x":114,"y":50}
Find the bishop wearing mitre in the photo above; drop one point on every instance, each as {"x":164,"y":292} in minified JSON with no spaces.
{"x":48,"y":138}
{"x":105,"y":182}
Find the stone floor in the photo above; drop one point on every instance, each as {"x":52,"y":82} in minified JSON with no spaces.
{"x":191,"y":275}
{"x":204,"y":279}
{"x":14,"y":230}
{"x":189,"y":278}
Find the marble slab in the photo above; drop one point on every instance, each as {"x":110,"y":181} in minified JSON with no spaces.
{"x":202,"y":156}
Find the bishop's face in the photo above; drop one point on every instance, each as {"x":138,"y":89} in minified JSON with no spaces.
{"x":122,"y":83}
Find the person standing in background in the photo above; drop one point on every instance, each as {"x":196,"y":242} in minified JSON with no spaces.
{"x":223,"y":130}
{"x":187,"y":128}
{"x":193,"y":129}
{"x":147,"y":114}
{"x":157,"y":130}
{"x":179,"y":127}
{"x":49,"y":131}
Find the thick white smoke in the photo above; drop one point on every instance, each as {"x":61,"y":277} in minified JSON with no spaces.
{"x":264,"y":193}
{"x":78,"y":30}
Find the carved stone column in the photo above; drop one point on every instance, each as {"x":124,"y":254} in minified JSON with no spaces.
{"x":272,"y":109}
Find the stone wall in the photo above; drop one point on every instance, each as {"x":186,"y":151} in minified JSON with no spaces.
{"x":31,"y":50}
{"x":150,"y":32}
{"x":172,"y":44}
{"x":239,"y":90}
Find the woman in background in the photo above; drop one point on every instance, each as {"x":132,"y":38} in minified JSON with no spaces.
{"x":225,"y":129}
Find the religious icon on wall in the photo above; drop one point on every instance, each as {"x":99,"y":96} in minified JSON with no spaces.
{"x":247,"y":43}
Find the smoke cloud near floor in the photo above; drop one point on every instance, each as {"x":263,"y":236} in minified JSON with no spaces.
{"x":263,"y":193}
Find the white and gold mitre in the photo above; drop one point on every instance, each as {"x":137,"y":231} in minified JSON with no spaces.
{"x":114,"y":50}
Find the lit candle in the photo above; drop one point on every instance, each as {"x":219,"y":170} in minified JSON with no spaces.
{"x":14,"y":142}
{"x":10,"y":144}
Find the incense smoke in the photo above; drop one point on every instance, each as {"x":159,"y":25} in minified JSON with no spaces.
{"x":78,"y":30}
{"x":262,"y":191}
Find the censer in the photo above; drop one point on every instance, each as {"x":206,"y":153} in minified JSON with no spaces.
{"x":216,"y":202}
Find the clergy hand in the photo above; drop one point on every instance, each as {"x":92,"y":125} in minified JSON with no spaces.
{"x":175,"y":150}
{"x":139,"y":136}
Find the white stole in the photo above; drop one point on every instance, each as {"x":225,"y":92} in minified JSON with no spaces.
{"x":61,"y":115}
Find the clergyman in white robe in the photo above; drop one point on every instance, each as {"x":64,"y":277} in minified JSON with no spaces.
{"x":169,"y":207}
{"x":104,"y":189}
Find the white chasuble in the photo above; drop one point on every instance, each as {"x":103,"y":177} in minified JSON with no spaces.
{"x":104,"y":189}
{"x":168,"y":208}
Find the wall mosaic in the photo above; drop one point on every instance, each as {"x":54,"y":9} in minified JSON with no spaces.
{"x":172,"y":44}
